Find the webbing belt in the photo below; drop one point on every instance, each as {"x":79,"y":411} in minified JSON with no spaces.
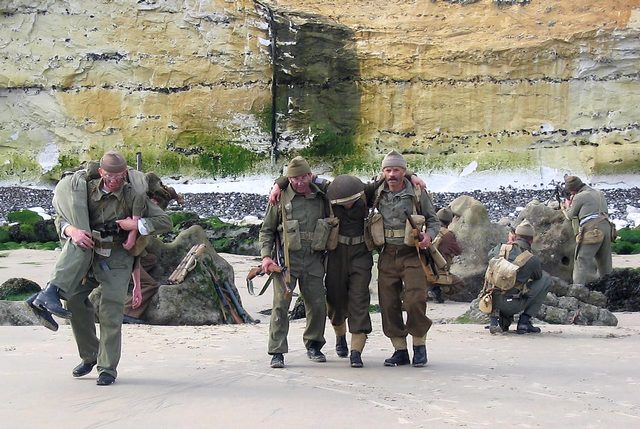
{"x":350,"y":241}
{"x":394,"y":233}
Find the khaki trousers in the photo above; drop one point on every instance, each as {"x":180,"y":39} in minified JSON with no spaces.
{"x":399,"y":268}
{"x":315,"y":304}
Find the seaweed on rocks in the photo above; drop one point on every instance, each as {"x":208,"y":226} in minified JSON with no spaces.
{"x":622,"y":289}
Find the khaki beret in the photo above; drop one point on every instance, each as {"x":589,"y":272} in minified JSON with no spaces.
{"x":525,"y":229}
{"x":113,"y":162}
{"x":298,"y":166}
{"x":394,"y":159}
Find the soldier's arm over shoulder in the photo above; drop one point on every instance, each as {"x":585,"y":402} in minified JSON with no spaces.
{"x":268,"y":231}
{"x":429,"y":212}
{"x":156,"y":220}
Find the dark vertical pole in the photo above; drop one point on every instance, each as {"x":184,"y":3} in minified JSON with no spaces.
{"x":139,"y":161}
{"x":274,"y":86}
{"x":273,"y":36}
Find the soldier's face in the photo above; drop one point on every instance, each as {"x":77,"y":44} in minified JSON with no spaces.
{"x":394,"y":176}
{"x":112,"y":182}
{"x":300,"y":184}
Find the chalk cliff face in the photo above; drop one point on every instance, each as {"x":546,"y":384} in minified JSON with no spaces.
{"x":190,"y":84}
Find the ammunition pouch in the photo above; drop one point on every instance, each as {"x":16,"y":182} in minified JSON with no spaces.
{"x":323,"y":232}
{"x":409,"y":238}
{"x":293,"y":235}
{"x":374,"y":231}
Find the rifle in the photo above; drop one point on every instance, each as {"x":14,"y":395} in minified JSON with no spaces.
{"x":422,"y":252}
{"x":282,"y":256}
{"x":559,"y":193}
{"x":257,"y":271}
{"x":225,"y":291}
{"x":187,"y":264}
{"x":243,"y":313}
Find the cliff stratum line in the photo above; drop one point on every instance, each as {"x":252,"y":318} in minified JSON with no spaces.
{"x":227,"y":87}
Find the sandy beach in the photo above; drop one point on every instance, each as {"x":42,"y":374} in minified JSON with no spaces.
{"x":219,"y":376}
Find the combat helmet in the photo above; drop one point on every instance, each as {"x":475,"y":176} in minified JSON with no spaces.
{"x":345,"y":189}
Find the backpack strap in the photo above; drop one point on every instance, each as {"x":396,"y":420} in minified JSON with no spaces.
{"x":522,"y":258}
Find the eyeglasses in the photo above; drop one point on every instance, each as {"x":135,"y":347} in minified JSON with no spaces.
{"x":114,"y":177}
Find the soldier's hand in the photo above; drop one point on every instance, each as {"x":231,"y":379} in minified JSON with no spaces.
{"x":266,"y":263}
{"x":416,"y":181}
{"x":425,"y":241}
{"x":136,"y":297}
{"x":128,"y":224}
{"x":274,"y":195}
{"x":79,"y":237}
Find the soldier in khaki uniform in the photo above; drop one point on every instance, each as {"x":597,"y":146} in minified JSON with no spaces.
{"x":399,"y":266}
{"x":301,"y":205}
{"x":349,"y":264}
{"x":593,"y":240}
{"x":532,"y":285}
{"x":94,"y":226}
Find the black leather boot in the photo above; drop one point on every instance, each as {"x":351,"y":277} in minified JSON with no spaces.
{"x":342,"y":349}
{"x":419,"y":356}
{"x":505,"y":322}
{"x":49,"y":299}
{"x":525,"y":326}
{"x":399,"y":357}
{"x":437,"y":294}
{"x":83,"y":369}
{"x":494,"y":325}
{"x":43,"y":316}
{"x":277,"y":361}
{"x":315,"y":354}
{"x":356,"y":359}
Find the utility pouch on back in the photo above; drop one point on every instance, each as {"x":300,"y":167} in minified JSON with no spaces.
{"x":593,"y":236}
{"x":409,"y":239}
{"x":614,"y":231}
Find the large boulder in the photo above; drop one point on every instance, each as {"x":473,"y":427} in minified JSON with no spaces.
{"x":477,"y":235}
{"x":194,"y":301}
{"x":554,"y":242}
{"x":16,"y":313}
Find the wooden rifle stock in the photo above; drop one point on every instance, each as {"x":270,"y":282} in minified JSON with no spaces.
{"x":422,"y":252}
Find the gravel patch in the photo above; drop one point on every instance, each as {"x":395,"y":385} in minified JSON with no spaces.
{"x":504,"y":203}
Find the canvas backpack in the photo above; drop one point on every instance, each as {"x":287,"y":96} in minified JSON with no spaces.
{"x":501,"y":273}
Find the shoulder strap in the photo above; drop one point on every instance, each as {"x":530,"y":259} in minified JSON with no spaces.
{"x":418,"y":191}
{"x":522,"y":258}
{"x":505,"y":249}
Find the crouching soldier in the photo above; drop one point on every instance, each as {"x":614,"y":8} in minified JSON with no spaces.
{"x":529,"y":284}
